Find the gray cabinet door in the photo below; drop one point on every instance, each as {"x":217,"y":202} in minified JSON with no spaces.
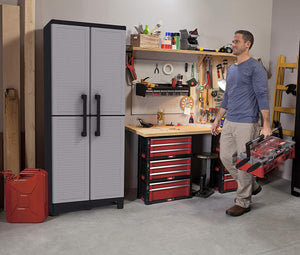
{"x":70,"y":165}
{"x":108,"y":70}
{"x":107,"y":158}
{"x":70,"y":53}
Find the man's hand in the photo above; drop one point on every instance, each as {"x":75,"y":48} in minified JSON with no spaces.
{"x":215,"y":126}
{"x":266,"y":131}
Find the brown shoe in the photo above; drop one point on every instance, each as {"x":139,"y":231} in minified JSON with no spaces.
{"x":237,"y":210}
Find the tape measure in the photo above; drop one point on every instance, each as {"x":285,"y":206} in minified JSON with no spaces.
{"x":186,"y":102}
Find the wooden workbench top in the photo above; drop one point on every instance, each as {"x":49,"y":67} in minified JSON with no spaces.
{"x":167,"y":130}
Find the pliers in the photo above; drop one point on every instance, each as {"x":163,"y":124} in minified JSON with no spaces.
{"x":156,"y":70}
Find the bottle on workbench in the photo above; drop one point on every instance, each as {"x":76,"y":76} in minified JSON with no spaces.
{"x":191,"y":120}
{"x":166,"y":41}
{"x":160,"y":117}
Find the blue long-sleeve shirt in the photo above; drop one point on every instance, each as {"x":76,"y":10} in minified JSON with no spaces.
{"x":246,"y":92}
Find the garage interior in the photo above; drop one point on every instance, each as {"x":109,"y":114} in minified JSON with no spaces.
{"x":129,"y":220}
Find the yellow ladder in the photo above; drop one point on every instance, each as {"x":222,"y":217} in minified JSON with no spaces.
{"x":279,"y":89}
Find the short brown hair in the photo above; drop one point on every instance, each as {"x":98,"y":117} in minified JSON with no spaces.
{"x":247,"y":36}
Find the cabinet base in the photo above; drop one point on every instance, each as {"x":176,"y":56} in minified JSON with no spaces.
{"x":56,"y":209}
{"x":295,"y":192}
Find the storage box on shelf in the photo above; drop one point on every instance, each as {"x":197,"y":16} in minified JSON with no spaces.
{"x":145,"y":41}
{"x":164,"y":172}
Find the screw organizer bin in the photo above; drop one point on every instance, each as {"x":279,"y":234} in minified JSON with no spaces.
{"x":265,"y":156}
{"x":26,"y":196}
{"x":164,"y":172}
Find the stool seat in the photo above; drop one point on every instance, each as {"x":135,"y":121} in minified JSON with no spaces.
{"x":206,"y":155}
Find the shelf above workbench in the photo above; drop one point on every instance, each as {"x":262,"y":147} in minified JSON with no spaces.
{"x":187,"y":52}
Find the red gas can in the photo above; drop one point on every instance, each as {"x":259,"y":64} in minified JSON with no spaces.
{"x":26,"y":196}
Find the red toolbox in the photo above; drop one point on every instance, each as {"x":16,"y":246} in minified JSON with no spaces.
{"x":266,"y":155}
{"x":26,"y":196}
{"x":165,"y":191}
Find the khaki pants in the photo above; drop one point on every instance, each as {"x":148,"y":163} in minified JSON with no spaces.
{"x":234,"y":136}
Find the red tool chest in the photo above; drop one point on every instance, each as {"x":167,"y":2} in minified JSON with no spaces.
{"x":164,"y":168}
{"x":26,"y":196}
{"x":265,"y":156}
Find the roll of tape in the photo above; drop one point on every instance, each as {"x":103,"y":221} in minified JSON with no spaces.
{"x":168,"y":69}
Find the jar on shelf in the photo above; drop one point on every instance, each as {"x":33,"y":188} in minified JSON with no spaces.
{"x":166,"y":42}
{"x":175,"y":38}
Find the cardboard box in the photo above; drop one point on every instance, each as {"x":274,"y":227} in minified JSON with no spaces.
{"x":145,"y":41}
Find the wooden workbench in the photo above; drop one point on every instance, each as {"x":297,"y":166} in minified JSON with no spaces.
{"x":156,"y":131}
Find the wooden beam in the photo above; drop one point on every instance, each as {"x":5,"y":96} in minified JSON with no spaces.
{"x":28,"y":33}
{"x":12,"y":131}
{"x":10,"y":79}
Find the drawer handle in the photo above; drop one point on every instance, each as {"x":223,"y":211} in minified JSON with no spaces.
{"x":168,"y":144}
{"x":171,"y":172}
{"x":158,"y":183}
{"x":183,"y":149}
{"x":227,"y":180}
{"x":168,"y":160}
{"x":167,"y":166}
{"x":171,"y":187}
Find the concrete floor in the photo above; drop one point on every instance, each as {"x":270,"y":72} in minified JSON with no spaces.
{"x":190,"y":226}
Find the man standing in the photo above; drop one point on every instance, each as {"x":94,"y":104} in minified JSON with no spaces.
{"x":245,"y":96}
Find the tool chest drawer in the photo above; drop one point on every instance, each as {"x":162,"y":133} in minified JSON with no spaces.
{"x":224,"y":182}
{"x":165,"y":191}
{"x":229,"y":185}
{"x":165,"y":147}
{"x":165,"y":169}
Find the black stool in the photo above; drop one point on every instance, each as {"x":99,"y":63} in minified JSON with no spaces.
{"x":204,"y":191}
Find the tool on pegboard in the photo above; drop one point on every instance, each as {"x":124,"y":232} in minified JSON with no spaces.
{"x":156,"y":70}
{"x":192,"y":82}
{"x":130,"y":66}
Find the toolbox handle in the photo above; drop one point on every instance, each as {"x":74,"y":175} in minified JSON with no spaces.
{"x":259,"y":138}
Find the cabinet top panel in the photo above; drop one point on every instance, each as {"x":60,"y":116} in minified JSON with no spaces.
{"x":86,"y":24}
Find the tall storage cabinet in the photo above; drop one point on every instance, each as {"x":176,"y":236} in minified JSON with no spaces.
{"x":84,"y":114}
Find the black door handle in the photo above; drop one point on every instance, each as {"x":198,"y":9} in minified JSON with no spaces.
{"x":84,"y":104}
{"x":98,"y":98}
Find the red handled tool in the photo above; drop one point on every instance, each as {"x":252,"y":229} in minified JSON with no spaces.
{"x":131,"y":69}
{"x":208,"y":83}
